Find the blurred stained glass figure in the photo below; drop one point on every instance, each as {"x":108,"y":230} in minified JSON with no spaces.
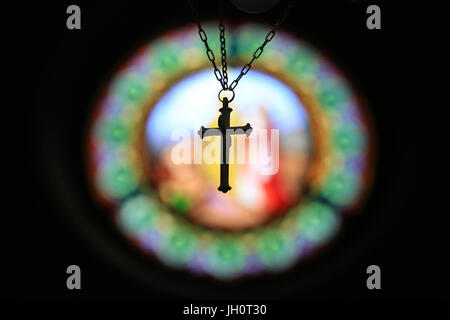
{"x":282,"y":208}
{"x":191,"y":189}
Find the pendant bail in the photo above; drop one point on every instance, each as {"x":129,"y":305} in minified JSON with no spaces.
{"x":229,"y":99}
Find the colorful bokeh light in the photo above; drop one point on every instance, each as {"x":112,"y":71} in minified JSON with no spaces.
{"x":266,"y":223}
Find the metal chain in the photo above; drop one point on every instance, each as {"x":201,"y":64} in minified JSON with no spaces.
{"x":223,"y":51}
{"x":256,"y":55}
{"x":204,"y":39}
{"x":223,"y":77}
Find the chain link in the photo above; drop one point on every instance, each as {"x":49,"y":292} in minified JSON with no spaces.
{"x":222,"y":77}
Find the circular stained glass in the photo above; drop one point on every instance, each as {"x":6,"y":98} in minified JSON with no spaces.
{"x":311,"y":139}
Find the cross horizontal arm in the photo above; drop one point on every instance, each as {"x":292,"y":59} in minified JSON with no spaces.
{"x":208,"y":132}
{"x":247,"y":129}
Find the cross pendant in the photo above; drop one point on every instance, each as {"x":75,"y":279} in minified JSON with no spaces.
{"x":224,"y":131}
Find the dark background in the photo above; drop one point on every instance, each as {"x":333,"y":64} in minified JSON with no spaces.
{"x":54,"y":75}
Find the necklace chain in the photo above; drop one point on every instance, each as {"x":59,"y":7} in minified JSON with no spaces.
{"x":223,"y":51}
{"x":222,"y":77}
